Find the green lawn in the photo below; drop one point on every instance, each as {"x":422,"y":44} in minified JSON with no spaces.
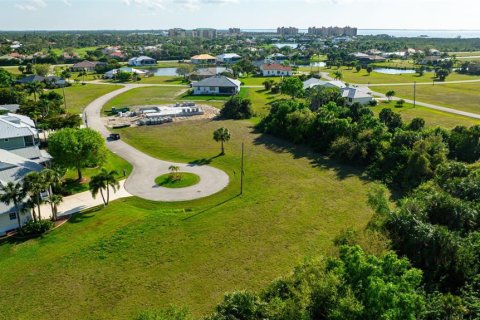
{"x":258,"y":80}
{"x":79,"y":96}
{"x":396,"y":63}
{"x":186,"y":180}
{"x":137,"y":255}
{"x":433,"y":118}
{"x":145,"y":96}
{"x":362,"y":77}
{"x":465,"y":53}
{"x":113,"y":162}
{"x":12,"y":69}
{"x":464,"y":96}
{"x":163,"y":80}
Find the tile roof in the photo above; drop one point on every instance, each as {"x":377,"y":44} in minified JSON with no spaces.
{"x":203,"y":57}
{"x":217,"y":81}
{"x":276,"y":66}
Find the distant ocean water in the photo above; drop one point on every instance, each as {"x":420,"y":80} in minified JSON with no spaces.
{"x":411,"y":33}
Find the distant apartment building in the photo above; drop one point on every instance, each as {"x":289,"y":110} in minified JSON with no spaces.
{"x":177,"y":32}
{"x":287,"y":31}
{"x":333,"y":31}
{"x":233,"y":31}
{"x":206,"y":33}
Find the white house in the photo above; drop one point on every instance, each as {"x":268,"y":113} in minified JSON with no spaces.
{"x":275,"y":69}
{"x":228,"y":58}
{"x":112,"y":73}
{"x":313,"y":82}
{"x":217,"y":85}
{"x":356,"y":95}
{"x":142,"y":61}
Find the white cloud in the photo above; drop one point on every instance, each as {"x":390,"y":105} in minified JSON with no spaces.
{"x":67,"y":3}
{"x":149,"y":4}
{"x":31,"y":5}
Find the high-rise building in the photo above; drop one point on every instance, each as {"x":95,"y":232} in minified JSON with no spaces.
{"x":287,"y":31}
{"x":206,"y":33}
{"x":333,"y":31}
{"x":177,"y":32}
{"x":234,"y":31}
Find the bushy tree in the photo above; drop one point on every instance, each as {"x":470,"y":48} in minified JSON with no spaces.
{"x":77,"y":148}
{"x":237,"y":108}
{"x":292,"y":86}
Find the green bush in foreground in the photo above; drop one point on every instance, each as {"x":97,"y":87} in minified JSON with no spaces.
{"x":37,"y":227}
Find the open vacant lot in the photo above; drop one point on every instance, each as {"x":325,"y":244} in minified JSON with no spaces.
{"x":462,"y":96}
{"x":362,"y":77}
{"x":136,"y":255}
{"x":433,"y":118}
{"x":79,"y":96}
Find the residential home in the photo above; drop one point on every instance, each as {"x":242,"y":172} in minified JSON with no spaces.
{"x":86,"y":66}
{"x":112,"y":73}
{"x":217,"y":85}
{"x":275,"y":69}
{"x":31,"y":79}
{"x":118,"y":55}
{"x":7,"y":108}
{"x":142,"y":61}
{"x":313,"y":82}
{"x":228,"y":58}
{"x":12,"y":169}
{"x":356,"y":95}
{"x":203,"y":59}
{"x":275,"y":57}
{"x":203,"y":73}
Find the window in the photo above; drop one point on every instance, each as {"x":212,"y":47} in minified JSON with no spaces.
{"x":13,"y":215}
{"x":6,"y":140}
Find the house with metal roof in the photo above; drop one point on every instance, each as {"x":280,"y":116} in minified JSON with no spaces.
{"x":202,"y":73}
{"x":217,"y":85}
{"x":356,"y":95}
{"x":142,"y":61}
{"x":228,"y":58}
{"x":31,"y":79}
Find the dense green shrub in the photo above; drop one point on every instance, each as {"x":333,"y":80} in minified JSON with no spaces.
{"x":37,"y":227}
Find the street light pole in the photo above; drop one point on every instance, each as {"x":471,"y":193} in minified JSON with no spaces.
{"x":241,"y":173}
{"x":414,"y":94}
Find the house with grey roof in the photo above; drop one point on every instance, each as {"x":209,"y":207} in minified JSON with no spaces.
{"x":217,"y":85}
{"x":31,"y":79}
{"x":12,"y":169}
{"x":356,"y":95}
{"x":228,"y":58}
{"x":142,"y":61}
{"x":208,"y":72}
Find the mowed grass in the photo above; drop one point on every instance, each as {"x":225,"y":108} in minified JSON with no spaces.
{"x":433,"y":118}
{"x":136,"y":255}
{"x":362,"y":77}
{"x":162,"y":80}
{"x":145,"y":96}
{"x":12,"y":69}
{"x":185,"y":179}
{"x":79,"y":96}
{"x":462,"y":96}
{"x":113,"y":162}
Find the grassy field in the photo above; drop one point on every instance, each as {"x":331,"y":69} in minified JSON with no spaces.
{"x":145,"y":96}
{"x":79,"y":96}
{"x":257,"y":80}
{"x":113,"y":162}
{"x":137,"y":255}
{"x":186,"y":180}
{"x":82,"y":52}
{"x":465,"y":53}
{"x":162,"y":80}
{"x":362,"y":77}
{"x":464,"y":96}
{"x":12,"y":69}
{"x":433,"y":118}
{"x":395,"y":63}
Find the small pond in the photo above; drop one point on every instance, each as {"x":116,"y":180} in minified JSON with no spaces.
{"x":291,"y":45}
{"x":318,"y":64}
{"x":164,"y":72}
{"x":394,"y":71}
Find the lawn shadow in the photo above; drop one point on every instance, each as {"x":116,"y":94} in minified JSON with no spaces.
{"x":209,"y":208}
{"x":203,"y":161}
{"x":342,"y":171}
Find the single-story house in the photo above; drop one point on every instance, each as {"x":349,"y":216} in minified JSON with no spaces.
{"x":217,"y":85}
{"x":276,"y":57}
{"x":7,"y":108}
{"x":356,"y":95}
{"x":203,"y":59}
{"x":208,"y":72}
{"x":55,"y":82}
{"x":86,"y":66}
{"x":228,"y":58}
{"x":112,"y":73}
{"x":313,"y":82}
{"x":142,"y":61}
{"x":275,"y":69}
{"x":31,"y":79}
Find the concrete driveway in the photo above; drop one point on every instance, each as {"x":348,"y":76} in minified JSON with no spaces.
{"x":146,"y":168}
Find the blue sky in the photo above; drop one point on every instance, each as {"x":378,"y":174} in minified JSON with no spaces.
{"x":246,"y":14}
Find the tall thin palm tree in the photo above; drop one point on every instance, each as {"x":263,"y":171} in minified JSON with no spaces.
{"x":103,"y":182}
{"x":222,"y":135}
{"x":52,"y":179}
{"x":13,"y":193}
{"x":174,"y":172}
{"x":34,"y":184}
{"x":54,"y":201}
{"x":34,"y":88}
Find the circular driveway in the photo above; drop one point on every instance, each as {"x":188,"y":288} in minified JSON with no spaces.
{"x":141,"y":182}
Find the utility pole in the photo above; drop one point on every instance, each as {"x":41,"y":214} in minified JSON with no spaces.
{"x":241,"y":174}
{"x":414,"y":94}
{"x":64,"y":98}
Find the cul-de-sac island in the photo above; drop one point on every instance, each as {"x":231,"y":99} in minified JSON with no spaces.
{"x":236,"y":173}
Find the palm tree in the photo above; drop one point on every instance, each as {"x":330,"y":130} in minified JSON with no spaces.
{"x":222,"y":135}
{"x":338,"y":75}
{"x":54,"y":201}
{"x":103,"y":181}
{"x":389,"y":94}
{"x":34,"y":184}
{"x":34,"y":88}
{"x":174,"y":172}
{"x":13,"y":193}
{"x":52,"y":179}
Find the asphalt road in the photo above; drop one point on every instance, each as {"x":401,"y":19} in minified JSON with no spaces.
{"x":146,"y":168}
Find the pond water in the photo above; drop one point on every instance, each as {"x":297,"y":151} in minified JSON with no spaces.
{"x":394,"y":71}
{"x":318,"y":64}
{"x":164,"y":71}
{"x":291,"y":45}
